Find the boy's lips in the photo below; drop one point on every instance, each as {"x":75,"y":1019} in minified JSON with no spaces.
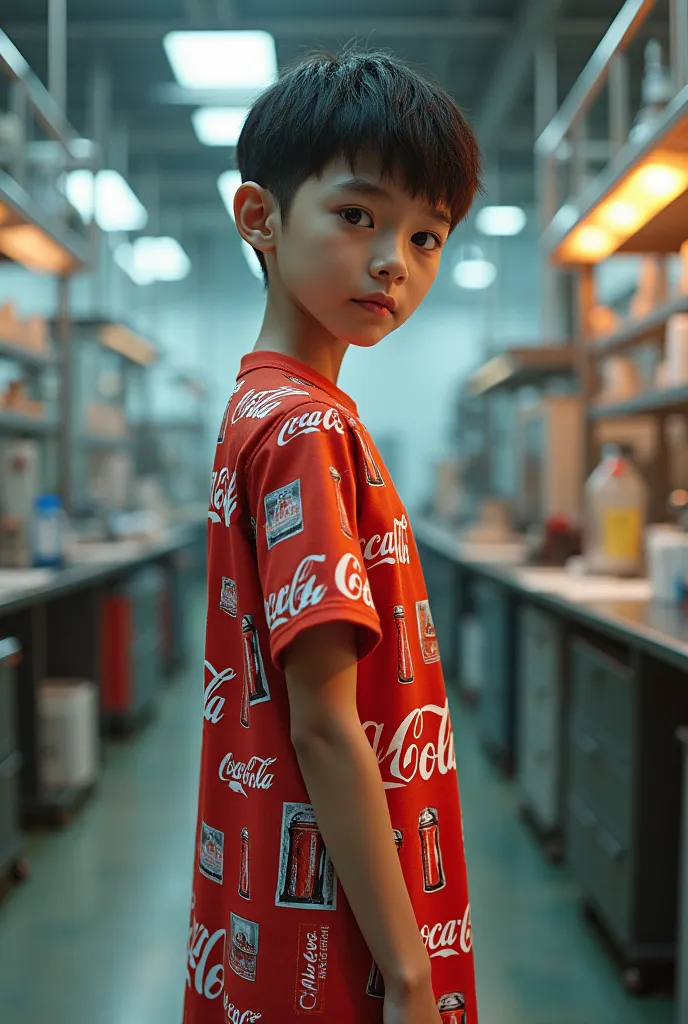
{"x":379,"y":304}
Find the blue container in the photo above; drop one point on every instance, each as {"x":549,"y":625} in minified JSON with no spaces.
{"x":48,"y":532}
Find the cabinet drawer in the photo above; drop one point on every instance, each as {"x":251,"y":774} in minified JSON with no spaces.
{"x":539,"y":644}
{"x":601,"y":779}
{"x":9,"y":798}
{"x":604,"y":694}
{"x":601,"y":865}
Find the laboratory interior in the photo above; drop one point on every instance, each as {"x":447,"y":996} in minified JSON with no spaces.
{"x":533,"y":414}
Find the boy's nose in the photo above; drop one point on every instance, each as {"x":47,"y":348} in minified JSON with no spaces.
{"x":389,"y":266}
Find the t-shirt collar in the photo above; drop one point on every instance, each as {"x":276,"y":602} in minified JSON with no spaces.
{"x":278,"y":361}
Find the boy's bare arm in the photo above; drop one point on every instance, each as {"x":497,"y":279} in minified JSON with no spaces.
{"x":346,"y":790}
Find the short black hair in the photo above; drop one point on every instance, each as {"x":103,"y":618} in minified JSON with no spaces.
{"x":328,"y":106}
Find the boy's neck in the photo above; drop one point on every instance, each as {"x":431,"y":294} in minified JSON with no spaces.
{"x":291,"y":331}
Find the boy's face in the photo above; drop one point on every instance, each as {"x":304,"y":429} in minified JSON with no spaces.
{"x":350,"y":237}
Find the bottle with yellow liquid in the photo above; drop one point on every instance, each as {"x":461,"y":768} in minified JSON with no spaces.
{"x":616,"y":498}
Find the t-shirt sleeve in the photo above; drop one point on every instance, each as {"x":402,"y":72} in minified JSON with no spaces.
{"x":302,"y":490}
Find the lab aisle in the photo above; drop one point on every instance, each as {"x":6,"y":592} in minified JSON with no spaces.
{"x":98,"y":936}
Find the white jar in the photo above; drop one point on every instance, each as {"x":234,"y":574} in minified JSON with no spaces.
{"x":616,"y":498}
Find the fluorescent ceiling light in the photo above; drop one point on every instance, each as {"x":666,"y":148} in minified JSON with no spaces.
{"x":116,"y":207}
{"x":474,"y":273}
{"x":500,"y":220}
{"x":228,"y":183}
{"x":153,"y":259}
{"x":252,"y":259}
{"x":219,"y":126}
{"x":222,"y":60}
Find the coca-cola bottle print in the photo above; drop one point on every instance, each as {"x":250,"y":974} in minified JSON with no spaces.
{"x":431,"y":854}
{"x":244,"y":867}
{"x":341,"y":507}
{"x":376,"y":985}
{"x":243,"y":947}
{"x":245,"y":702}
{"x":256,"y":682}
{"x":452,"y":1008}
{"x":404,"y":662}
{"x":372,"y":470}
{"x":306,"y":875}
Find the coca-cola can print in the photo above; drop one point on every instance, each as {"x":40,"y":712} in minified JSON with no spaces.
{"x":452,"y":1008}
{"x":431,"y":853}
{"x":244,"y":866}
{"x":283,"y":513}
{"x":211,"y":853}
{"x":306,"y":876}
{"x":228,"y":597}
{"x":426,"y":631}
{"x":243,"y":947}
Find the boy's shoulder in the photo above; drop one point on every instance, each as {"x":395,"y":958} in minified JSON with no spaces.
{"x":271,"y":403}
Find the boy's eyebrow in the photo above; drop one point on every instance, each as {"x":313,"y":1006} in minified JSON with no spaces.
{"x":378,"y":192}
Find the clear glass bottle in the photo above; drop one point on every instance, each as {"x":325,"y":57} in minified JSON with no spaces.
{"x":616,"y":498}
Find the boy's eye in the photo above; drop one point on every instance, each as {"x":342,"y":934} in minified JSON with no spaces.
{"x":425,"y":240}
{"x":354,"y":215}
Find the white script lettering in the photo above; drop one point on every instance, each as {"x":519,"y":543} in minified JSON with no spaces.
{"x":303,"y":592}
{"x":309,"y":423}
{"x":406,"y":755}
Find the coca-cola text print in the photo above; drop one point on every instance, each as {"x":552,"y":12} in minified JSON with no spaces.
{"x":205,"y":972}
{"x":259,"y":404}
{"x":389,"y":548}
{"x":306,"y":876}
{"x":223,"y":496}
{"x":312,"y":422}
{"x":449,"y":938}
{"x":213,"y":701}
{"x":351,"y":580}
{"x":243,"y":775}
{"x":211,"y":853}
{"x":303,"y":592}
{"x":237,"y":1016}
{"x":422,"y":744}
{"x":311,"y":969}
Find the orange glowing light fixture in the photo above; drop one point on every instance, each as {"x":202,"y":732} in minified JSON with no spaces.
{"x":34,"y":249}
{"x":632,"y":204}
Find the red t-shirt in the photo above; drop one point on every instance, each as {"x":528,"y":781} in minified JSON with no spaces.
{"x":305,"y":526}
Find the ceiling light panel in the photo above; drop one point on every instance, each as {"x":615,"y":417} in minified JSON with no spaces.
{"x":474,"y":274}
{"x":228,"y":183}
{"x":219,"y":126}
{"x":222,"y":60}
{"x":501,"y":220}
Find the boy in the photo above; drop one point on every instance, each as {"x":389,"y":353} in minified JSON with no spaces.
{"x":330,"y":877}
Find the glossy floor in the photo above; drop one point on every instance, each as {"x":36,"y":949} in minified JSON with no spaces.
{"x":98,"y":935}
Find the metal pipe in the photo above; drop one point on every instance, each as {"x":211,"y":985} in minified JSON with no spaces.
{"x":50,"y":115}
{"x":619,"y":101}
{"x":19,"y":107}
{"x":678,"y":34}
{"x":621,"y":32}
{"x":67,"y":439}
{"x":57,"y":52}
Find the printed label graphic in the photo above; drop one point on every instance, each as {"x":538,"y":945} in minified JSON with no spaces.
{"x":243,"y":775}
{"x":372,"y":470}
{"x":314,"y":422}
{"x":311,"y":969}
{"x":388,"y":548}
{"x":441,"y":940}
{"x":431,"y":853}
{"x":213,"y":702}
{"x":306,"y":875}
{"x":211,"y":853}
{"x":404,"y":661}
{"x":243,"y":947}
{"x":205,"y":971}
{"x":223,"y":496}
{"x":223,"y":425}
{"x":303,"y":592}
{"x":283,"y":513}
{"x":452,"y":1008}
{"x":259,"y":404}
{"x":341,"y":507}
{"x":350,"y":579}
{"x":422,"y":744}
{"x":245,"y":866}
{"x":228,"y":597}
{"x":426,"y":631}
{"x":255,"y":679}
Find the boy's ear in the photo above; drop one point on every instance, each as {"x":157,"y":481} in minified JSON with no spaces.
{"x":255,"y":215}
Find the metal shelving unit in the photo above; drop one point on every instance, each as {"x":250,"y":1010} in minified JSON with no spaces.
{"x":522,"y":367}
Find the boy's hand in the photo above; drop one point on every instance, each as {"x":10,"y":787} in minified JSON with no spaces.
{"x":419,"y":1007}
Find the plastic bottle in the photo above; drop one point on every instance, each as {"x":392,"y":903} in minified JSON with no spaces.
{"x":48,"y":532}
{"x":616,"y":498}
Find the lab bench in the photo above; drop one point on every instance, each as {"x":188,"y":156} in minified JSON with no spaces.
{"x":61,"y":624}
{"x":582,"y":693}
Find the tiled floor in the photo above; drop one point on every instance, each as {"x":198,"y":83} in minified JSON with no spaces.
{"x":98,"y":935}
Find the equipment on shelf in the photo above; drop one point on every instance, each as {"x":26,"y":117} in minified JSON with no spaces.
{"x":657,"y":91}
{"x":616,"y":503}
{"x":19,"y":476}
